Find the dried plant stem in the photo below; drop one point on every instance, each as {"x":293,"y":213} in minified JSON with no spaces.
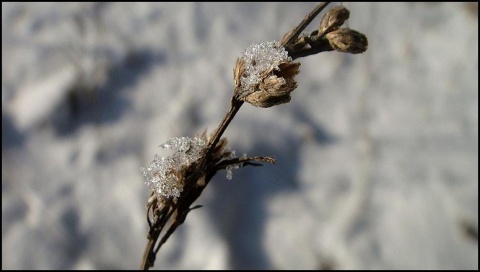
{"x":164,"y":213}
{"x":235,"y":105}
{"x":291,"y":36}
{"x":246,"y":161}
{"x":148,"y":258}
{"x":320,"y":46}
{"x":154,"y":233}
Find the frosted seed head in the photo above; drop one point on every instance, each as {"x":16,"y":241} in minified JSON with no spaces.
{"x":165,"y":175}
{"x":264,"y":75}
{"x":261,"y":59}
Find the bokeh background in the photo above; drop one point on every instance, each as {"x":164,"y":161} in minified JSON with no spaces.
{"x":377,"y":153}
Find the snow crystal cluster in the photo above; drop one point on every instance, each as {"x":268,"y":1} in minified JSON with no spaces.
{"x":161,"y":175}
{"x":259,"y":58}
{"x":229,"y":168}
{"x":232,"y":167}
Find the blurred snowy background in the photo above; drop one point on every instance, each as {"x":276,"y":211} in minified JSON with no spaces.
{"x":376,"y":153}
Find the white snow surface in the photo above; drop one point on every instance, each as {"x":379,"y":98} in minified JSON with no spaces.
{"x":377,"y":153}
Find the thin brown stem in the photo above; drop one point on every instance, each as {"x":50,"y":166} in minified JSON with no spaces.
{"x":160,"y":219}
{"x":321,"y":46}
{"x":234,"y":107}
{"x":148,"y":258}
{"x":291,"y":36}
{"x":245,"y":161}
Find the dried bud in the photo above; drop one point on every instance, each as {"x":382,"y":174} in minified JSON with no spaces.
{"x":265,"y":75}
{"x":347,"y":40}
{"x":334,"y":19}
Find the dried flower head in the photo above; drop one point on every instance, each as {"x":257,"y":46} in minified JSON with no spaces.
{"x":334,"y":18}
{"x":347,"y":40}
{"x":166,"y":175}
{"x":265,"y":75}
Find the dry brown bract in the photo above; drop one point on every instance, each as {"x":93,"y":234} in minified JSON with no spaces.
{"x":273,"y":88}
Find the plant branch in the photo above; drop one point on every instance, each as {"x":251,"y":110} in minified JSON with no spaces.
{"x":289,"y":38}
{"x":164,"y":212}
{"x":235,"y":105}
{"x":321,"y":46}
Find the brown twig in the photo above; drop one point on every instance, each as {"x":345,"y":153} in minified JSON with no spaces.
{"x":291,"y":36}
{"x":235,"y":105}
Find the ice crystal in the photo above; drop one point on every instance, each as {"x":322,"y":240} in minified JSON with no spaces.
{"x":259,"y":58}
{"x":232,"y":167}
{"x":229,"y":170}
{"x":162,"y":174}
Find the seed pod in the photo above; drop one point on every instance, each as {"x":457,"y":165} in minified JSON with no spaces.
{"x":265,"y":75}
{"x":334,"y":18}
{"x":347,"y":40}
{"x":275,"y":89}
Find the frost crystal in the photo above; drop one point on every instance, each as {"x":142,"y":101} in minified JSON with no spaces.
{"x":260,"y":58}
{"x":232,"y":167}
{"x":229,"y":170}
{"x":162,"y":173}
